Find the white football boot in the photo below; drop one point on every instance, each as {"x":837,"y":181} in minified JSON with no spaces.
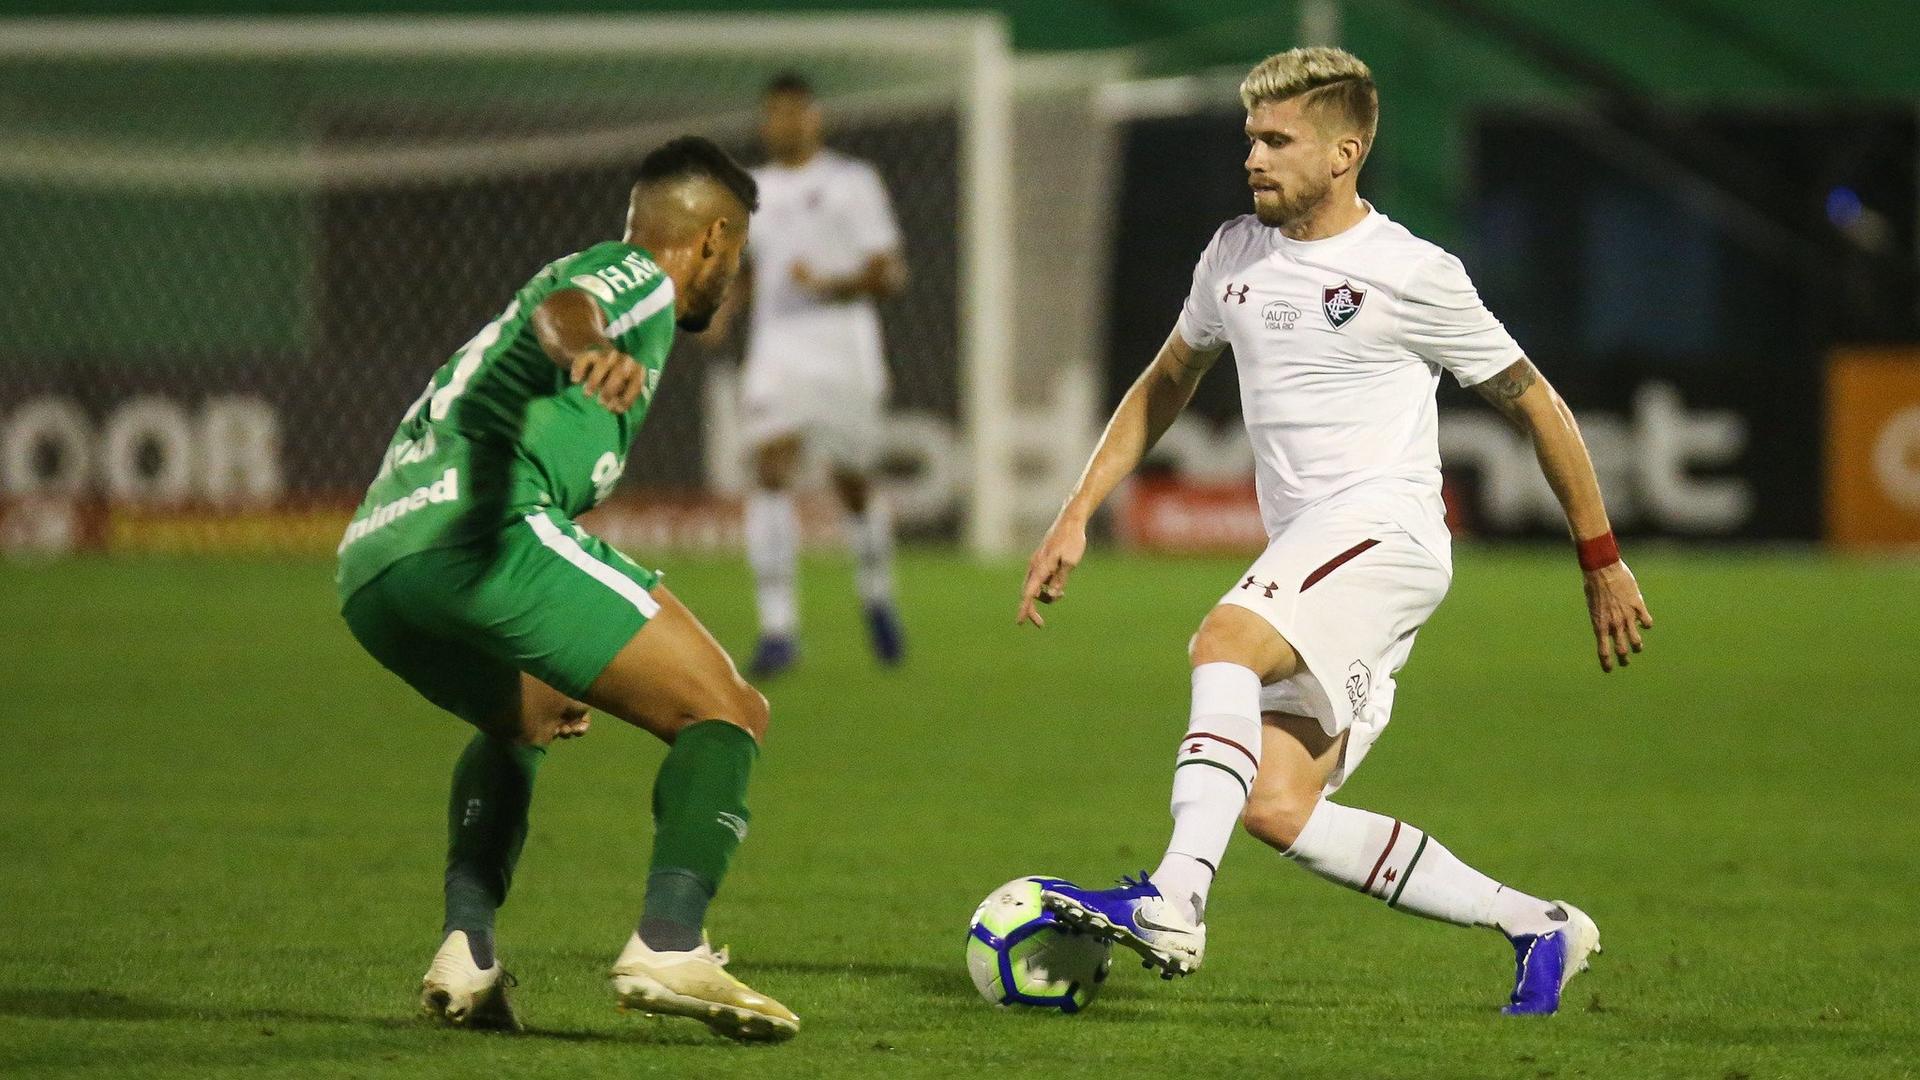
{"x":464,"y":994}
{"x":696,"y":984}
{"x":1133,"y":914}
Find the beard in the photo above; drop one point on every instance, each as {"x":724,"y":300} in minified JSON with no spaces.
{"x":1290,"y":206}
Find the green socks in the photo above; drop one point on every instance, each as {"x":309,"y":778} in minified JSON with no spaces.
{"x":486,"y":828}
{"x":700,"y":818}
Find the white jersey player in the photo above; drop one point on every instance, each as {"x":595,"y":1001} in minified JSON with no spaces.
{"x":1341,"y":323}
{"x":825,"y":247}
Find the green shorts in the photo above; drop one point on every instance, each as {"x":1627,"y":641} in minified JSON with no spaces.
{"x":542,"y":596}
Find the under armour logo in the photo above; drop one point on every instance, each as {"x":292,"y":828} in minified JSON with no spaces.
{"x":733,"y":823}
{"x":1240,"y":296}
{"x":1271,"y":587}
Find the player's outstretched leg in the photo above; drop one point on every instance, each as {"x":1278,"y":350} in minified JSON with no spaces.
{"x":1403,"y":866}
{"x":870,"y":536}
{"x":487,"y":815}
{"x":773,"y":544}
{"x":1161,"y":915}
{"x":674,"y":680}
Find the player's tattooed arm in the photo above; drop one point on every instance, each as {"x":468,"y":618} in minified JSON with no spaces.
{"x":1614,"y":602}
{"x":1505,"y":390}
{"x":573,"y":331}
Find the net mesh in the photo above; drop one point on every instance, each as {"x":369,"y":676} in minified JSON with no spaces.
{"x":233,"y":272}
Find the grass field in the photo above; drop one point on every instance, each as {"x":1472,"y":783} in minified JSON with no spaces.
{"x":221,"y":843}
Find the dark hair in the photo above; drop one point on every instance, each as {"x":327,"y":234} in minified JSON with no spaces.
{"x":788,"y":82}
{"x":690,"y":157}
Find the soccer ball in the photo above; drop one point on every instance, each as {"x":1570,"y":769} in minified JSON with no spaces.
{"x":1019,"y":953}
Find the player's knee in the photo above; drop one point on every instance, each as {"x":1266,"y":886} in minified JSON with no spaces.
{"x":854,"y":491}
{"x":749,"y":711}
{"x":1213,"y":643}
{"x":769,"y":474}
{"x":1277,"y":818}
{"x":1234,"y":635}
{"x":773,"y":464}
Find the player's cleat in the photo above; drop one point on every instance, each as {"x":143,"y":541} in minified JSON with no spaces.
{"x":883,"y":627}
{"x":775,"y":654}
{"x":464,"y":994}
{"x":696,"y":984}
{"x":1133,"y":914}
{"x":1545,"y":963}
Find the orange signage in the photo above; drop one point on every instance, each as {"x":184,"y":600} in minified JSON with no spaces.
{"x":1873,"y":447}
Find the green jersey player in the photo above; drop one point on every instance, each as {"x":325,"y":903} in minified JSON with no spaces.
{"x":464,"y":573}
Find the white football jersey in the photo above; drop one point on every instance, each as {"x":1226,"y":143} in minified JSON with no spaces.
{"x":832,"y":214}
{"x":1339,"y":344}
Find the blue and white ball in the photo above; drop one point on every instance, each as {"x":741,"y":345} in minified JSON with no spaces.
{"x":1019,"y":953}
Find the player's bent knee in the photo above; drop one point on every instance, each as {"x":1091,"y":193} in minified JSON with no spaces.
{"x":750,"y":711}
{"x":1278,"y":819}
{"x":1234,"y":635}
{"x":854,"y":491}
{"x":774,"y":463}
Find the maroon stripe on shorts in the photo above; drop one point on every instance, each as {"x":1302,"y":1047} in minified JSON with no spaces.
{"x":1382,"y":860}
{"x":1335,"y":563}
{"x":1251,"y":760}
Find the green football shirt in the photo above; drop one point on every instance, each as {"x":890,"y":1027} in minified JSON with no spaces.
{"x":501,"y":431}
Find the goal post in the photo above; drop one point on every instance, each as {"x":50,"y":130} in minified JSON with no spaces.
{"x":367,"y":189}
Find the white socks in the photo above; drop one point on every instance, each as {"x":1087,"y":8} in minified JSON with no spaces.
{"x":1213,"y":774}
{"x":870,"y":535}
{"x":773,"y":543}
{"x":1411,"y":871}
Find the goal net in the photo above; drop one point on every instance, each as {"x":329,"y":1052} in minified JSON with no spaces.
{"x":238,"y":248}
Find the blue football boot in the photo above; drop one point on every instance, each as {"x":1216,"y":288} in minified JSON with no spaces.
{"x":883,"y":627}
{"x":1545,"y":963}
{"x":1133,"y":914}
{"x":774,"y":655}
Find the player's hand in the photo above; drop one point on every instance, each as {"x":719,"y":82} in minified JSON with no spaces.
{"x":609,"y":376}
{"x":1619,"y":613}
{"x":1065,"y":545}
{"x":819,"y":284}
{"x":572,"y":727}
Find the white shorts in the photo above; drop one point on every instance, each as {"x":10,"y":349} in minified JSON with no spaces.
{"x":1348,"y":590}
{"x":842,"y":424}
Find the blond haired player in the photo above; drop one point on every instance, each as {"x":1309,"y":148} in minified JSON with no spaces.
{"x":1341,"y":323}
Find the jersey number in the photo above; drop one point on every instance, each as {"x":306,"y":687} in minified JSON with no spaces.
{"x":471,"y":354}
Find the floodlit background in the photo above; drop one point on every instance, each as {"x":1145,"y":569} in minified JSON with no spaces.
{"x":236,"y":238}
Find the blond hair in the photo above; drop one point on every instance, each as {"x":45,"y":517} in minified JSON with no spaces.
{"x":1336,"y":84}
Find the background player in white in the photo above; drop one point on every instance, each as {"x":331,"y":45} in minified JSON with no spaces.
{"x":825,"y":247}
{"x":1341,"y":322}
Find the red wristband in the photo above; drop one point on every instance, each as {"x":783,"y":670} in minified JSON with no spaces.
{"x":1598,"y":552}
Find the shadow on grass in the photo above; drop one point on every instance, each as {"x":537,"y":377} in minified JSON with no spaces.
{"x":935,"y":982}
{"x":1129,"y":1001}
{"x":108,"y":1005}
{"x":939,"y":982}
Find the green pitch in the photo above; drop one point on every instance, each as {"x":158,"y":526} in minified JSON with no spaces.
{"x":222,"y":837}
